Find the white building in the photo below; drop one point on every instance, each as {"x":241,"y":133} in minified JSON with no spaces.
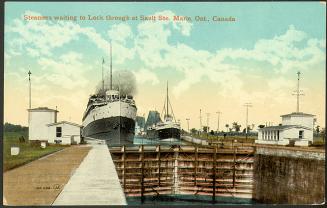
{"x":43,"y":126}
{"x":38,"y":119}
{"x":297,"y":127}
{"x":64,"y":132}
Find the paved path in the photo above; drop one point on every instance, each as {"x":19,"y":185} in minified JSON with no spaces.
{"x":39,"y":182}
{"x":95,"y":182}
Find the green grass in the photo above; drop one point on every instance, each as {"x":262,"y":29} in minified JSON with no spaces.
{"x":318,"y":142}
{"x":228,"y":138}
{"x":27,"y":152}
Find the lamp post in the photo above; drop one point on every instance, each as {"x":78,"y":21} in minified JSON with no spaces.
{"x":218,"y":113}
{"x":208,"y":114}
{"x":188,"y":125}
{"x":247,"y":105}
{"x":29,"y":80}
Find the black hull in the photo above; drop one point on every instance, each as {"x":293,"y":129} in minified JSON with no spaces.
{"x":114,"y":130}
{"x":169,"y":133}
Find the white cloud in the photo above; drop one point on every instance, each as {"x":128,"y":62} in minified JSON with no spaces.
{"x":39,"y":38}
{"x":67,"y":72}
{"x":120,"y":33}
{"x":284,"y":53}
{"x":143,"y":76}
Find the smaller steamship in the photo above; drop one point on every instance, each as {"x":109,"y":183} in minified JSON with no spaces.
{"x":168,"y":128}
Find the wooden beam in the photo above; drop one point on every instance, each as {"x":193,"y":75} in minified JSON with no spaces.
{"x":214,"y":175}
{"x":234,"y":164}
{"x":195,"y":165}
{"x":159,"y":165}
{"x":142,"y":174}
{"x":124,"y":167}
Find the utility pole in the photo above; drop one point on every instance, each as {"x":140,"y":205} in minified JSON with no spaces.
{"x":188,"y":125}
{"x":30,"y":96}
{"x":218,"y":120}
{"x":298,"y":92}
{"x":247,"y":105}
{"x":200,"y":121}
{"x":218,"y":112}
{"x":208,"y":114}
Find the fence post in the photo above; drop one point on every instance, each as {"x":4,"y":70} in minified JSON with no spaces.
{"x":124,"y":167}
{"x":214,"y":175}
{"x":195,"y":165}
{"x":142,"y":177}
{"x":234,"y":164}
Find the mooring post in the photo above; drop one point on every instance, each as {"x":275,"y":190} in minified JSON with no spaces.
{"x":214,"y":175}
{"x":234,"y":164}
{"x":142,"y":177}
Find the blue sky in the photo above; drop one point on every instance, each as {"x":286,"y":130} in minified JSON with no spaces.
{"x":256,"y":20}
{"x":254,"y":59}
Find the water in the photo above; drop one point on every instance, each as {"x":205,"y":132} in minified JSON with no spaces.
{"x":144,"y":141}
{"x":188,"y":200}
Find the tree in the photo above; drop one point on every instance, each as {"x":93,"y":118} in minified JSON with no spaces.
{"x":8,"y":127}
{"x":226,"y":127}
{"x":261,"y":126}
{"x":194,"y":131}
{"x":236,"y":126}
{"x":317,"y":129}
{"x":212,"y":132}
{"x":205,"y":129}
{"x":249,"y":129}
{"x":323,"y":133}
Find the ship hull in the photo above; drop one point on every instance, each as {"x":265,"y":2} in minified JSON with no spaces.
{"x":114,"y":130}
{"x":152,"y":134}
{"x":167,"y":133}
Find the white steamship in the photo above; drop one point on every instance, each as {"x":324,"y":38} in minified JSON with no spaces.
{"x":110,"y":115}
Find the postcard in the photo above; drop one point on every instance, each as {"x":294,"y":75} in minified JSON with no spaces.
{"x":164,"y":103}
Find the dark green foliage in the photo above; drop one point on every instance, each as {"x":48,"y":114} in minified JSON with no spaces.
{"x":8,"y":127}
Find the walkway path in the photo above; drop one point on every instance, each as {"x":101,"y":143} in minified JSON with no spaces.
{"x":39,"y":182}
{"x":95,"y":182}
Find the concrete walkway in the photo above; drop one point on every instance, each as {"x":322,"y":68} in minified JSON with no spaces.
{"x":95,"y":181}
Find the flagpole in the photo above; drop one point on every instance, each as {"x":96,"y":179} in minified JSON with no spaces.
{"x":102,"y":76}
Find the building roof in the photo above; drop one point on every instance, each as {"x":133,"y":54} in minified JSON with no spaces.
{"x":282,"y":127}
{"x":42,"y":109}
{"x":298,"y":114}
{"x":64,"y":122}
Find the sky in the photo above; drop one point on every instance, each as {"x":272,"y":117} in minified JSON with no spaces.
{"x":209,"y":65}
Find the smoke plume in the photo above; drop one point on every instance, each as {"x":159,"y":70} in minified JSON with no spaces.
{"x":123,"y":79}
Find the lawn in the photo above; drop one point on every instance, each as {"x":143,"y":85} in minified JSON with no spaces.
{"x":228,"y":138}
{"x":27,"y":152}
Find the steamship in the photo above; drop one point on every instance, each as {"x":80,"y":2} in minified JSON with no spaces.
{"x":110,"y":115}
{"x":168,"y":129}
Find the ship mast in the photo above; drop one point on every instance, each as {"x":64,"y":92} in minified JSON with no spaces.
{"x":102,"y":76}
{"x":110,"y":67}
{"x":167,"y":101}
